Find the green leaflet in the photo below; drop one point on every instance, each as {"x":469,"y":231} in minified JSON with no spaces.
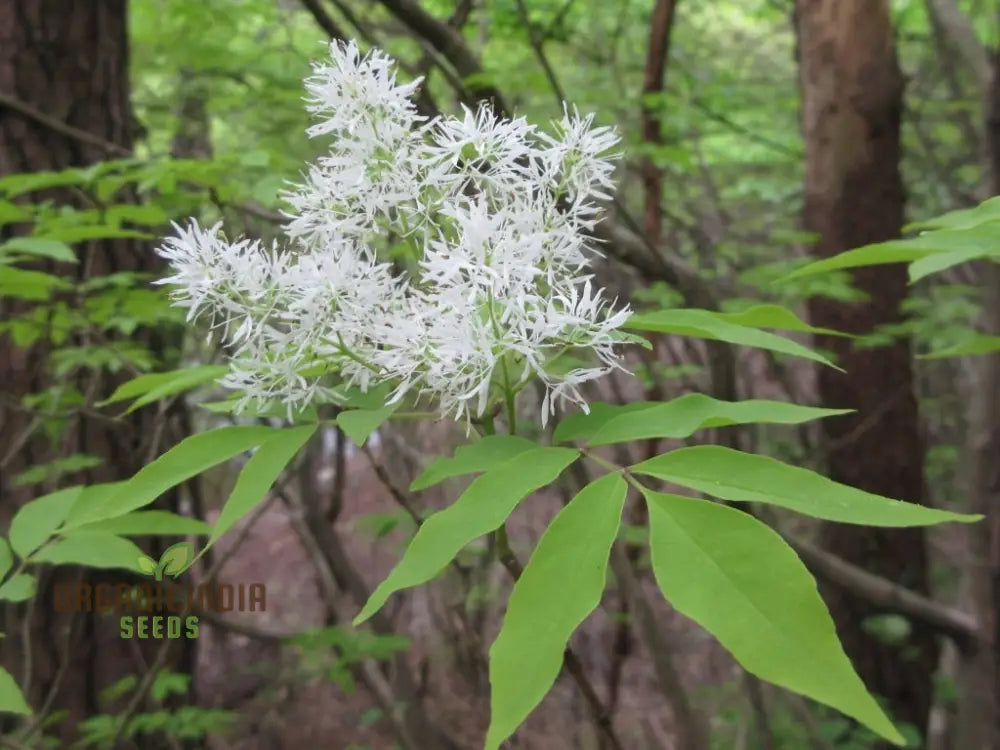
{"x":740,"y":581}
{"x":473,"y":458}
{"x":153,"y":386}
{"x":976,"y":346}
{"x":36,"y":521}
{"x":151,"y":523}
{"x":359,"y":424}
{"x":18,"y":588}
{"x":187,"y":459}
{"x":706,"y":324}
{"x":928,"y":252}
{"x":734,"y":475}
{"x":694,"y":411}
{"x":41,"y":247}
{"x":11,"y":700}
{"x":561,"y":584}
{"x":776,"y":317}
{"x":95,"y":549}
{"x":484,"y":505}
{"x":581,"y":425}
{"x":259,"y":475}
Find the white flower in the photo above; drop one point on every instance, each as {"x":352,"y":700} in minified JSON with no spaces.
{"x":485,"y":222}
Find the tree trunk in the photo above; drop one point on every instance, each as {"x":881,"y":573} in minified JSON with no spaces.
{"x":64,"y":83}
{"x":978,"y":721}
{"x":851,"y":108}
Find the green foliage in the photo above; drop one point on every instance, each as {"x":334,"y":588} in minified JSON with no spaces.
{"x":740,"y":581}
{"x":473,"y":458}
{"x":706,"y":324}
{"x":734,"y":475}
{"x":560,"y":586}
{"x":482,"y":508}
{"x":183,"y":724}
{"x":681,"y":418}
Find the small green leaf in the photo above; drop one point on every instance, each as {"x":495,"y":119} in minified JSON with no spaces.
{"x":894,"y":251}
{"x":36,"y":521}
{"x":706,"y":324}
{"x":747,"y":477}
{"x":150,"y":523}
{"x":28,"y":284}
{"x":473,"y":458}
{"x":976,"y":346}
{"x":581,"y":425}
{"x":938,"y":262}
{"x":154,"y":386}
{"x":560,"y":586}
{"x":18,"y":588}
{"x":11,"y":699}
{"x":94,"y":549}
{"x":176,"y":558}
{"x":259,"y":475}
{"x":963,"y":218}
{"x":694,"y":411}
{"x":40,"y":247}
{"x":187,"y":459}
{"x":484,"y":505}
{"x":359,"y":424}
{"x":777,"y":317}
{"x":740,"y":581}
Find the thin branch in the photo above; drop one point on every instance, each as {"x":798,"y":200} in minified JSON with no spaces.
{"x":960,"y":626}
{"x":537,"y":44}
{"x":324,"y":19}
{"x":449,"y":42}
{"x":58,"y":126}
{"x":660,"y":25}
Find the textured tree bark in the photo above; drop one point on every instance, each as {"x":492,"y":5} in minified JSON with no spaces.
{"x":851,"y":108}
{"x":64,"y":81}
{"x":978,"y":721}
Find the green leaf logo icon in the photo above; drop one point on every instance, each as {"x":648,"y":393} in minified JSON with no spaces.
{"x":175,"y":559}
{"x":147,"y":565}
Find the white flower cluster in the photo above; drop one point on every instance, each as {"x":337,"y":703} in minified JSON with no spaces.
{"x":446,"y":258}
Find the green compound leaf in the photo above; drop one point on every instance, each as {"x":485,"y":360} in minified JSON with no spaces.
{"x":472,"y":459}
{"x":484,"y":505}
{"x":739,"y":580}
{"x":734,"y":475}
{"x":560,"y":586}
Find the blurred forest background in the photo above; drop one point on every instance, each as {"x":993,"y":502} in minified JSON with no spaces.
{"x":757,"y":134}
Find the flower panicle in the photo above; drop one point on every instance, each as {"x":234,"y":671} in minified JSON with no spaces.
{"x":486,"y":289}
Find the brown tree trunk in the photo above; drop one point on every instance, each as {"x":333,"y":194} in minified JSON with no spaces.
{"x":851,"y":108}
{"x":64,"y":102}
{"x":978,"y":721}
